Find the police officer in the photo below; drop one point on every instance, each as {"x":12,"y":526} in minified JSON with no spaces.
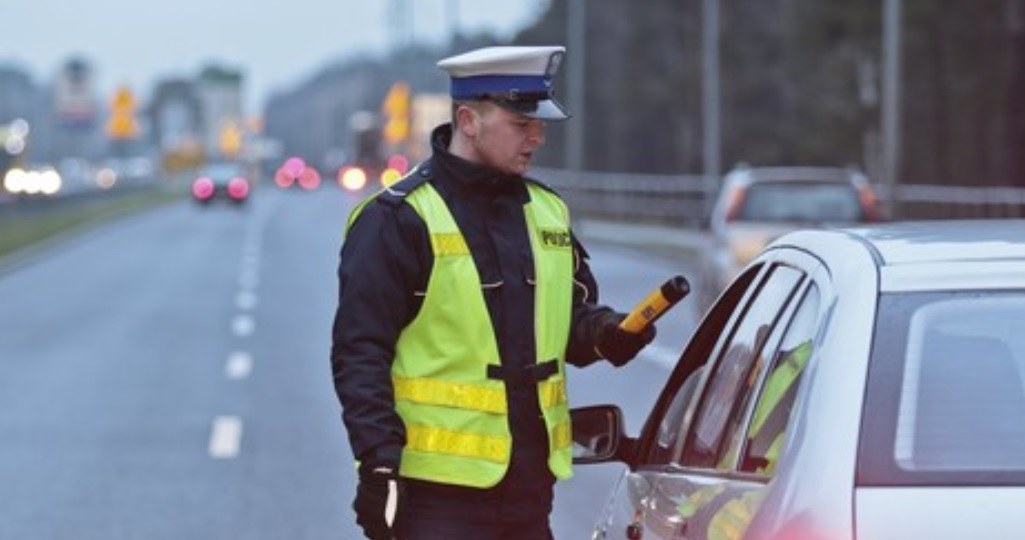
{"x":462,"y":293}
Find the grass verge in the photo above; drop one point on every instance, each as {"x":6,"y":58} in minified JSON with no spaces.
{"x":19,"y":230}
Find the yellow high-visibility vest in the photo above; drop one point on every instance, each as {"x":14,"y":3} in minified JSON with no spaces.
{"x":768,"y":426}
{"x":457,"y":427}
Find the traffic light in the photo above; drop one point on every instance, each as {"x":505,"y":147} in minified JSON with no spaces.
{"x":122,"y":124}
{"x":396,"y":112}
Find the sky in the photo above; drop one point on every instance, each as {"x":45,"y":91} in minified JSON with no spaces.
{"x":277,"y":44}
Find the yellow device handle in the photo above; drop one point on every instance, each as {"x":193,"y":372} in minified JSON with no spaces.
{"x":655,"y":304}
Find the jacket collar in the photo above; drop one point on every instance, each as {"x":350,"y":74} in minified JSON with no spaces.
{"x":472,"y":179}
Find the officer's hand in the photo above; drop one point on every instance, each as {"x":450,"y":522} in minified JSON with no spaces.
{"x":619,"y":346}
{"x":378,"y":502}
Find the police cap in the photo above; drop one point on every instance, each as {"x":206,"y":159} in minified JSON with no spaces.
{"x":518,"y":79}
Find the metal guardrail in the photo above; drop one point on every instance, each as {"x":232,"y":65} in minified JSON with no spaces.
{"x":680,"y":200}
{"x":684,"y":200}
{"x":958,"y":202}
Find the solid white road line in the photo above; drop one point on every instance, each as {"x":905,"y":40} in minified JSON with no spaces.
{"x":250,"y":260}
{"x":239,"y":366}
{"x":248,"y":279}
{"x":225,"y":437}
{"x":243,"y":325}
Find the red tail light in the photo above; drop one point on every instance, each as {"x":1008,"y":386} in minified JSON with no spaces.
{"x":283,"y":178}
{"x":734,"y":204}
{"x":294,"y":166}
{"x":238,"y":188}
{"x":399,"y":163}
{"x":309,"y":179}
{"x":203,"y":188}
{"x":869,"y":204}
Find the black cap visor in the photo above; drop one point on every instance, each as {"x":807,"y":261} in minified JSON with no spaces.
{"x":545,"y":109}
{"x":538,"y":105}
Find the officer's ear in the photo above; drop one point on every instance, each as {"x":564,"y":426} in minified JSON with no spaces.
{"x":468,"y":117}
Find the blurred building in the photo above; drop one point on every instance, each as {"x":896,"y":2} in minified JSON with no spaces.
{"x":76,"y":112}
{"x":219,"y":92}
{"x":19,"y":114}
{"x":175,"y":114}
{"x":313,"y":120}
{"x":176,"y":121}
{"x":17,"y":95}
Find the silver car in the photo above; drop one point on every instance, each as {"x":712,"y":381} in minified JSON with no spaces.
{"x":864,"y":383}
{"x":756,"y":205}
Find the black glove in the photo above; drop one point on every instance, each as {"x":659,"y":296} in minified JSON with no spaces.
{"x":619,"y":346}
{"x":378,"y":502}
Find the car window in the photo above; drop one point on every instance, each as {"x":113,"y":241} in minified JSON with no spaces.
{"x":800,"y":202}
{"x":672,"y":423}
{"x":222,"y":171}
{"x":736,"y":369}
{"x":963,"y":349}
{"x":946,"y":390}
{"x":766,"y":431}
{"x":671,"y":409}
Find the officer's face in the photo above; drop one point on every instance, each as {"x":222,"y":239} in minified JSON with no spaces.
{"x":505,"y":140}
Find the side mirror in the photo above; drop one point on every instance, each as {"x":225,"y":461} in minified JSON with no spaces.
{"x":597,"y":433}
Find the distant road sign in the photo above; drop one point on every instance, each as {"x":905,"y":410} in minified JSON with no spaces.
{"x":74,"y":96}
{"x":396,"y":111}
{"x":122,"y":124}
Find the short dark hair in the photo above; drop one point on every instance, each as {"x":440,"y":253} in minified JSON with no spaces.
{"x":471,"y":103}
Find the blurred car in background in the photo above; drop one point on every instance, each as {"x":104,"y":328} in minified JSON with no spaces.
{"x":860,"y":383}
{"x":221,"y":181}
{"x":296,"y":173}
{"x":758,"y":204}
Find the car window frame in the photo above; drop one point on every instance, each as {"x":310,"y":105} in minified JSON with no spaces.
{"x":699,"y":403}
{"x":723,"y":316}
{"x":661,"y":509}
{"x":703,"y":344}
{"x":809,"y":285}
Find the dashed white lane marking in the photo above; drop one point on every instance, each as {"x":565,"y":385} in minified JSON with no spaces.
{"x":251,"y":244}
{"x":245,"y":300}
{"x":661,"y":354}
{"x":248,"y":279}
{"x":239,"y":366}
{"x":243,"y":325}
{"x":225,"y":437}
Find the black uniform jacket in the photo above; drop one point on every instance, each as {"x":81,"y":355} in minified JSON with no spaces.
{"x":386,"y":261}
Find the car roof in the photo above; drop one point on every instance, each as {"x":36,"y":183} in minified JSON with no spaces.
{"x":926,"y":255}
{"x":793,"y":174}
{"x":946,"y":241}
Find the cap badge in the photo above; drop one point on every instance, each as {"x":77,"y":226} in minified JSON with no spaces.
{"x":553,"y":63}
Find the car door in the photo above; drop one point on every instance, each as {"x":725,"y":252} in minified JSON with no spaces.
{"x":697,"y":453}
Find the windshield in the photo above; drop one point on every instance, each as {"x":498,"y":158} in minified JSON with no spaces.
{"x":954,"y":366}
{"x":800,"y":202}
{"x":222,"y":172}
